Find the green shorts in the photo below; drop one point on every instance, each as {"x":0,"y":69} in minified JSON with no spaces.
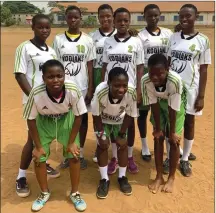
{"x":164,"y":117}
{"x":97,"y":76}
{"x":55,"y":128}
{"x":112,"y":130}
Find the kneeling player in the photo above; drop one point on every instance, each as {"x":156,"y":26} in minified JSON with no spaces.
{"x":164,"y":91}
{"x":113,"y":109}
{"x":49,"y":116}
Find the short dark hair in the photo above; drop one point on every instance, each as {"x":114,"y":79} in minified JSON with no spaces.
{"x":190,"y":6}
{"x":38,"y":17}
{"x":115,"y":72}
{"x":158,"y":59}
{"x":51,"y":63}
{"x":73,"y":7}
{"x":121,"y":10}
{"x":104,"y":7}
{"x":150,"y":6}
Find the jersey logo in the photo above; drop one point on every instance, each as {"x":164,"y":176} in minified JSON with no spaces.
{"x":45,"y":107}
{"x":122,"y":109}
{"x":110,"y":47}
{"x":96,"y":41}
{"x":37,"y":54}
{"x":62,"y":46}
{"x":192,"y":47}
{"x":178,"y":65}
{"x":72,"y":69}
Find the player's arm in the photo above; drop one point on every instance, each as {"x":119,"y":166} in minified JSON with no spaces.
{"x":23,"y":83}
{"x":104,"y":67}
{"x":140,"y":69}
{"x":90,"y":82}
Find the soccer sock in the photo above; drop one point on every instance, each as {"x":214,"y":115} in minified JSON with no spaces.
{"x":145,"y":149}
{"x":181,"y":150}
{"x":104,"y":172}
{"x":73,"y":194}
{"x":122,"y":171}
{"x":187,"y":149}
{"x":114,"y":150}
{"x":81,"y":152}
{"x":167,"y":147}
{"x":130,"y":151}
{"x":22,"y":173}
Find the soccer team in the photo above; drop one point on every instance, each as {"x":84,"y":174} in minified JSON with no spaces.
{"x":117,"y":74}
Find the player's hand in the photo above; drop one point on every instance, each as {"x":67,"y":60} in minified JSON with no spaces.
{"x":174,"y":138}
{"x":73,"y":149}
{"x":199,"y":104}
{"x":37,"y":154}
{"x":121,"y":142}
{"x":104,"y":144}
{"x":157,"y":134}
{"x":177,"y":28}
{"x":139,"y":98}
{"x":89,"y":97}
{"x":133,"y":32}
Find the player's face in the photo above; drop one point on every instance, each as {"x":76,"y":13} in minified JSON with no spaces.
{"x":54,"y":79}
{"x":187,"y":17}
{"x":118,"y":87}
{"x":42,"y":29}
{"x":152,"y":17}
{"x":122,"y":22}
{"x":105,"y":18}
{"x":73,"y":19}
{"x":158,"y":75}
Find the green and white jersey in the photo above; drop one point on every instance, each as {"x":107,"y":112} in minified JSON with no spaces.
{"x":99,"y":38}
{"x":154,"y":43}
{"x":126,"y":53}
{"x":41,"y":102}
{"x":171,"y":91}
{"x":74,"y":55}
{"x":187,"y":54}
{"x":113,"y":111}
{"x":29,"y":60}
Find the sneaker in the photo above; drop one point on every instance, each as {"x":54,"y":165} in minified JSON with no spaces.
{"x":166,"y":166}
{"x":103,"y":189}
{"x":83,"y":163}
{"x":22,"y":188}
{"x":79,"y":203}
{"x":132,"y":167}
{"x":40,"y":201}
{"x":52,"y":172}
{"x":112,"y":166}
{"x":125,"y":187}
{"x":191,"y":157}
{"x":146,"y":158}
{"x":64,"y":164}
{"x":185,"y":168}
{"x":95,"y":160}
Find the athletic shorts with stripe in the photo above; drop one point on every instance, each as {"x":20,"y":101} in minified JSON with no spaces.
{"x":97,"y":77}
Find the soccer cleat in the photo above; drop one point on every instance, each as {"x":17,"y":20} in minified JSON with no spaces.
{"x":103,"y":189}
{"x":146,"y":158}
{"x":64,"y":164}
{"x":132,"y":167}
{"x":83,"y":163}
{"x":39,"y":203}
{"x":185,"y":168}
{"x":112,"y":166}
{"x":22,"y":188}
{"x":125,"y":187}
{"x":191,"y":157}
{"x":52,"y":172}
{"x":166,"y":166}
{"x":79,"y":203}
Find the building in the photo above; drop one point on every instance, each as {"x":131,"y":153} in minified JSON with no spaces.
{"x":23,"y":19}
{"x":169,"y":11}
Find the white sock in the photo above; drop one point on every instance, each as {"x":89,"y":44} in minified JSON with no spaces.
{"x":73,"y":194}
{"x":104,"y":172}
{"x":114,"y":150}
{"x":130,"y":151}
{"x":187,"y":149}
{"x":181,"y":150}
{"x":167,"y":147}
{"x":81,"y":152}
{"x":122,"y":171}
{"x":22,"y":173}
{"x":145,"y":149}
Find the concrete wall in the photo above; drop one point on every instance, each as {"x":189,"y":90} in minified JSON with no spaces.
{"x":22,"y":18}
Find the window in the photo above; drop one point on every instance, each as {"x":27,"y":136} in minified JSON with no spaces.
{"x":140,"y":18}
{"x":162,"y":18}
{"x":175,"y":18}
{"x":61,"y":17}
{"x":200,"y":18}
{"x":213,"y":18}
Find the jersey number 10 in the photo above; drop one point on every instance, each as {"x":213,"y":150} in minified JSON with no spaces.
{"x":80,"y":48}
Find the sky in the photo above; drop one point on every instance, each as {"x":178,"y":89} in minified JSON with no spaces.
{"x":40,"y":5}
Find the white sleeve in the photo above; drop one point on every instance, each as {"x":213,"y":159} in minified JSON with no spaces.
{"x":140,"y":53}
{"x":91,"y":54}
{"x":95,"y":105}
{"x":205,"y":56}
{"x":56,"y":48}
{"x":105,"y":56}
{"x":21,"y":60}
{"x":174,"y":101}
{"x":78,"y":103}
{"x":131,"y":108}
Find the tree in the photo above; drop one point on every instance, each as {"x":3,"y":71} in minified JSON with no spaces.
{"x":5,"y":14}
{"x":91,"y":21}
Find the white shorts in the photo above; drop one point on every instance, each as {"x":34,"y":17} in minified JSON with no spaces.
{"x":192,"y":94}
{"x":84,"y":93}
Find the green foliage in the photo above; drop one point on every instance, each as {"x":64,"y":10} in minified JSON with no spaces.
{"x":91,"y":21}
{"x":5,"y":14}
{"x":9,"y":22}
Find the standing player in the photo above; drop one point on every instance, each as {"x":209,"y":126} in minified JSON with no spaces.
{"x":30,"y":56}
{"x":76,"y":51}
{"x":113,"y":107}
{"x":164,"y":92}
{"x":189,"y":55}
{"x":49,"y":116}
{"x":125,"y":51}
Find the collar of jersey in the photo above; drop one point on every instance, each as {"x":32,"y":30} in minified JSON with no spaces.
{"x":53,"y":99}
{"x":190,"y":37}
{"x":106,"y":35}
{"x":111,"y":100}
{"x":75,"y":40}
{"x":47,"y":48}
{"x":163,"y":88}
{"x":117,"y":39}
{"x":151,"y":33}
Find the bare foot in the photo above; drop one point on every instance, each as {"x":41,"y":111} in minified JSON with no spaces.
{"x":155,"y":185}
{"x":168,"y":187}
